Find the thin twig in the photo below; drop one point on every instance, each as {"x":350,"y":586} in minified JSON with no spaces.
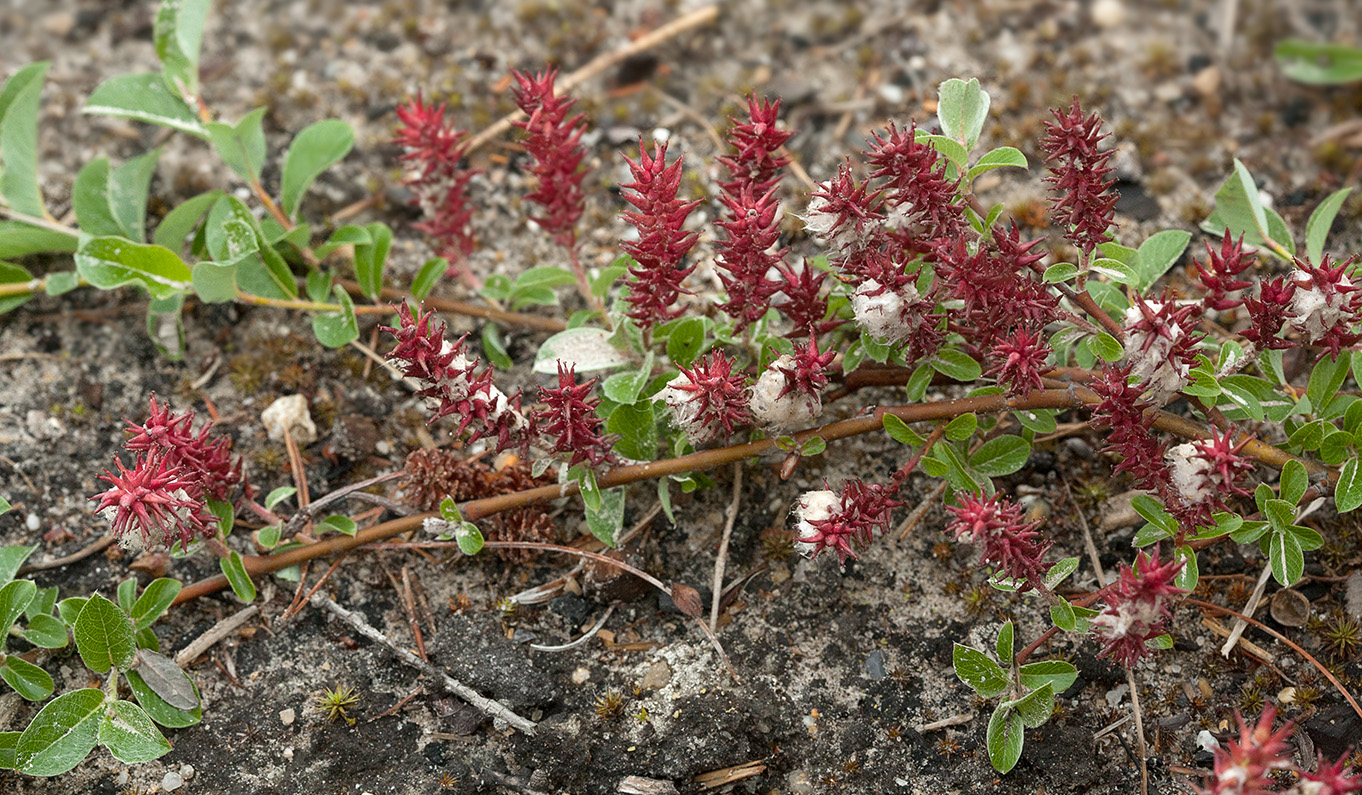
{"x":722,"y":557}
{"x":98,"y":545}
{"x":698,"y":18}
{"x":590,"y":633}
{"x":214,"y":634}
{"x":1249,"y":609}
{"x":1139,"y":731}
{"x":490,"y":707}
{"x":1088,"y":544}
{"x":946,"y":723}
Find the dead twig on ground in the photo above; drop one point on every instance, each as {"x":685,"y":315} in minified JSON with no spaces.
{"x":214,"y":634}
{"x":722,"y":557}
{"x":489,"y":707}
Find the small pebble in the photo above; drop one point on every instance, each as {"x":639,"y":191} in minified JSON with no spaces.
{"x":172,"y":781}
{"x":32,"y":522}
{"x":1116,"y":694}
{"x":1108,"y":13}
{"x":657,"y":677}
{"x":874,"y":664}
{"x":287,"y":716}
{"x":1207,"y":81}
{"x":1290,"y":608}
{"x":290,"y":412}
{"x":1206,"y":741}
{"x":581,"y":676}
{"x":186,"y":772}
{"x":1287,"y":695}
{"x":799,"y":783}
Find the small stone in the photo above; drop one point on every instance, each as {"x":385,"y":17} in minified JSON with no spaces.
{"x":657,"y":677}
{"x":292,"y":413}
{"x":32,"y":522}
{"x":122,"y":778}
{"x":1352,"y":601}
{"x":1206,"y":741}
{"x":59,"y":24}
{"x":172,"y":781}
{"x":1116,"y":694}
{"x":186,"y":772}
{"x":287,"y":716}
{"x":1290,"y":608}
{"x":288,"y":753}
{"x":799,"y":783}
{"x":383,"y":447}
{"x":1207,"y":81}
{"x":1108,"y":13}
{"x":1286,"y":695}
{"x":874,"y":664}
{"x":581,"y":676}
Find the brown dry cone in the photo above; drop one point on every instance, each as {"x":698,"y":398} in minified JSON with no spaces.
{"x":434,"y":474}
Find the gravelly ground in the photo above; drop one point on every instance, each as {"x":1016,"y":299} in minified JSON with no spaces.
{"x":838,"y":669}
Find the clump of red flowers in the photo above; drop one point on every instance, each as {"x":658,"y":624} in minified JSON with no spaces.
{"x":708,"y":400}
{"x":1246,"y":766}
{"x":1007,"y":541}
{"x":438,"y":180}
{"x":842,"y":522}
{"x":569,"y":419}
{"x":553,"y":139}
{"x":162,"y":499}
{"x":1084,"y":204}
{"x":453,"y":384}
{"x":1137,"y":609}
{"x":662,"y":242}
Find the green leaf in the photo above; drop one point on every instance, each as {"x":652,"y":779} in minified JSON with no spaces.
{"x":1239,"y":208}
{"x":979,"y":671}
{"x":69,"y":609}
{"x":1036,"y":707}
{"x":1153,"y":512}
{"x":1249,"y":532}
{"x":1004,"y":644}
{"x":962,"y":108}
{"x":165,"y":325}
{"x":953,"y":150}
{"x":46,"y":631}
{"x":129,"y":185}
{"x":1286,"y":557}
{"x":104,"y":635}
{"x":178,"y":33}
{"x":1058,"y":674}
{"x":90,"y":200}
{"x":1059,"y":572}
{"x":338,"y":524}
{"x":146,"y":639}
{"x":315,"y":149}
{"x":1115,"y":270}
{"x":1325,"y":380}
{"x":1106,"y":347}
{"x":28,"y":680}
{"x":266,"y":275}
{"x":429,"y":274}
{"x":279,"y":495}
{"x":1158,"y":253}
{"x":109,"y":262}
{"x":154,"y":601}
{"x":370,"y":258}
{"x":636,"y":426}
{"x":545,"y":276}
{"x":1294,"y":482}
{"x":14,"y":599}
{"x":234,"y":569}
{"x":957,"y":473}
{"x":919,"y":381}
{"x":61,"y":735}
{"x":144,"y":97}
{"x":337,"y":329}
{"x":1004,"y":739}
{"x":1188,"y":575}
{"x":19,"y":102}
{"x":625,"y":387}
{"x":996,"y":158}
{"x":11,"y":559}
{"x":1001,"y":455}
{"x":127,"y":593}
{"x":1060,"y":272}
{"x":956,"y":364}
{"x":13,"y":274}
{"x":962,"y":427}
{"x":1317,"y":63}
{"x":1037,"y":420}
{"x":1317,"y":228}
{"x":469,"y":538}
{"x":1348,"y":492}
{"x":215,"y":282}
{"x":158,"y":708}
{"x":1248,"y":394}
{"x":899,"y":431}
{"x":606,"y":522}
{"x":607,"y":277}
{"x":127,"y":731}
{"x":1062,"y":616}
{"x":241,"y":147}
{"x":18,"y":239}
{"x":588,"y":348}
{"x":686,"y":340}
{"x":494,"y":347}
{"x":180,"y":222}
{"x":8,"y":741}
